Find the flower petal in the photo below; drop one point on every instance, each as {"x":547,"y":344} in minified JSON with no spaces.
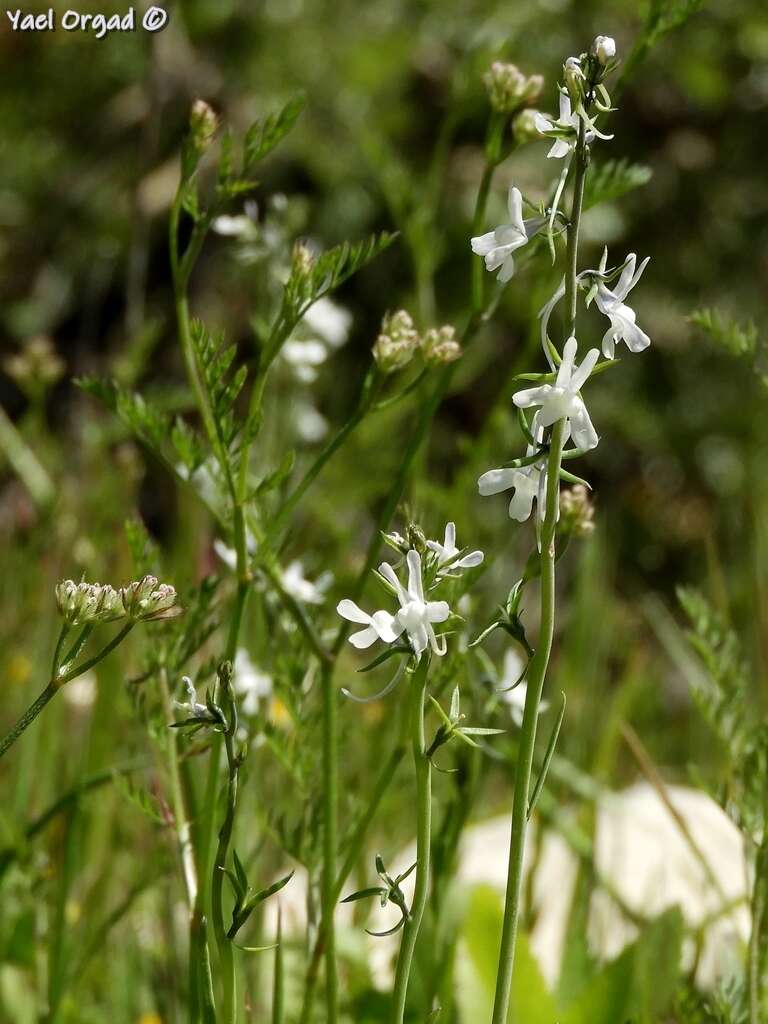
{"x":364,"y":638}
{"x":581,"y":374}
{"x":515,"y":206}
{"x":496,"y":480}
{"x":349,"y":610}
{"x":482,"y":244}
{"x":438,"y":611}
{"x":529,"y":397}
{"x":584,"y":433}
{"x":415,"y":587}
{"x":470,"y":561}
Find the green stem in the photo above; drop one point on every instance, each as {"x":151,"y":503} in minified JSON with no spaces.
{"x":85,"y":666}
{"x":354,"y":846}
{"x":423,"y":772}
{"x":330,"y":838}
{"x":28,"y":717}
{"x":223,"y":942}
{"x":25,"y":463}
{"x":540,"y":661}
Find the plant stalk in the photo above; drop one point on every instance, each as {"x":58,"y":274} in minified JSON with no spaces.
{"x":423,"y":773}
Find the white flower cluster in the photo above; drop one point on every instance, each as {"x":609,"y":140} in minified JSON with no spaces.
{"x":416,"y":616}
{"x":559,"y":398}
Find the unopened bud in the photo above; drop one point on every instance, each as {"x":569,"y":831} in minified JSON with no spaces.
{"x":439,"y":346}
{"x":397,"y":343}
{"x":88,"y":603}
{"x":416,"y":537}
{"x":604,"y":48}
{"x":577,"y":512}
{"x":573,"y":76}
{"x":302,"y":258}
{"x":147,"y":600}
{"x":524,"y":127}
{"x":203,"y":123}
{"x":508,"y":88}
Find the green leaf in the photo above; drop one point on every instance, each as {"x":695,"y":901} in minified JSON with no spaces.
{"x":735,"y":337}
{"x":275,"y":479}
{"x":188,"y":445}
{"x":638,"y":985}
{"x":612,"y":179}
{"x":144,"y":419}
{"x":214,"y":361}
{"x":481,"y":929}
{"x":364,"y":894}
{"x":264,"y":134}
{"x":664,"y":15}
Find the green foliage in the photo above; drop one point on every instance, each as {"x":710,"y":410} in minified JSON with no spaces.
{"x":214,"y":361}
{"x":663,"y":16}
{"x":265,"y":134}
{"x":144,"y":419}
{"x":735,"y":337}
{"x":612,"y":179}
{"x":724,"y":699}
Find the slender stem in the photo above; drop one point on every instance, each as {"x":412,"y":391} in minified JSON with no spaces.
{"x":330,"y":838}
{"x":278,"y":982}
{"x":223,"y":942}
{"x":25,"y":463}
{"x":28,"y":717}
{"x":354,"y":847}
{"x":540,"y":661}
{"x":478,"y":264}
{"x":181,"y":822}
{"x":85,"y":666}
{"x":423,"y":772}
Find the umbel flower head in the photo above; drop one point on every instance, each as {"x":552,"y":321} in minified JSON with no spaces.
{"x":440,"y":345}
{"x":416,"y":616}
{"x":146,"y":600}
{"x":397,"y":342}
{"x":508,"y":88}
{"x":497,"y":246}
{"x":88,"y":603}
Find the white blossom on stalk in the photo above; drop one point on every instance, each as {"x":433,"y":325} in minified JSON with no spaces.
{"x":447,"y":552}
{"x":561,"y":400}
{"x":528,"y":482}
{"x":298,"y":586}
{"x":566,"y":123}
{"x":604,"y":48}
{"x":416,"y":616}
{"x":498,"y":245}
{"x":192,"y":706}
{"x":611,"y":303}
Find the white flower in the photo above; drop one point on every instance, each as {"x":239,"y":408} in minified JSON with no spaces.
{"x":497,"y":246}
{"x":298,"y":586}
{"x":604,"y":48}
{"x":622,"y":317}
{"x":416,"y":615}
{"x":561,"y":400}
{"x":250,"y":682}
{"x":239,"y":226}
{"x":380,"y":626}
{"x":304,"y":357}
{"x":447,"y":551}
{"x":513,"y":692}
{"x":329,"y":321}
{"x":192,"y":706}
{"x":567,"y":122}
{"x":529,"y":483}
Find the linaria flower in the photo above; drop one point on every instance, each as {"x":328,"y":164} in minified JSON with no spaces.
{"x":528,"y":482}
{"x":498,"y":245}
{"x":251,"y":683}
{"x":564,"y":128}
{"x":416,"y":616}
{"x":447,"y":552}
{"x":193,"y":707}
{"x":622,"y":317}
{"x":561,"y":400}
{"x":298,"y":586}
{"x":379,"y":626}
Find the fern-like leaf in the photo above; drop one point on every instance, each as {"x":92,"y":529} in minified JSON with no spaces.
{"x":266,"y":133}
{"x":613,"y":179}
{"x":214,"y":361}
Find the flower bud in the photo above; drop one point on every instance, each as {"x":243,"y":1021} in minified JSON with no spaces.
{"x":524,"y":128}
{"x":147,"y":600}
{"x":604,"y":48}
{"x":88,"y":603}
{"x":508,"y":88}
{"x":302,"y":258}
{"x":573,"y":76}
{"x":36,"y":367}
{"x":439,"y":346}
{"x":576,"y":512}
{"x":397,"y":343}
{"x":203,"y":123}
{"x":416,"y":538}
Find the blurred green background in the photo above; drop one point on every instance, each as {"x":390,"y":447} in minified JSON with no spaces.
{"x":391,"y":137}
